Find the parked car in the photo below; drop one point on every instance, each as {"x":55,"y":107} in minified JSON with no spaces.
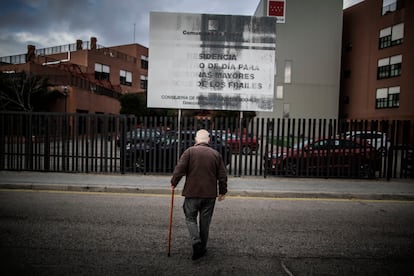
{"x":325,"y":156}
{"x":216,"y":142}
{"x":141,"y":134}
{"x":248,"y":143}
{"x":159,"y":153}
{"x":152,"y":154}
{"x":377,"y":139}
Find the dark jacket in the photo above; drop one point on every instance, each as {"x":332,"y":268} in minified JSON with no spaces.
{"x":203,"y":168}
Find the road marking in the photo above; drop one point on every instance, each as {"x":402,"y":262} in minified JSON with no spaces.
{"x":227,"y":197}
{"x":84,"y":192}
{"x":325,"y":199}
{"x":285,"y":268}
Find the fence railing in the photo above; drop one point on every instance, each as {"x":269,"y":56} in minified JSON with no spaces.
{"x":263,"y":147}
{"x":22,"y":58}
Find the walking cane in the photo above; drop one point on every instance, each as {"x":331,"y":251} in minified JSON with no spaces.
{"x":171,"y":215}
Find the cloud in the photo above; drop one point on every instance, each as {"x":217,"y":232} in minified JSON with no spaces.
{"x":47,"y":23}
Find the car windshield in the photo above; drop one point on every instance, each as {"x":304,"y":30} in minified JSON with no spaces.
{"x":141,"y":134}
{"x":365,"y":135}
{"x":301,"y":144}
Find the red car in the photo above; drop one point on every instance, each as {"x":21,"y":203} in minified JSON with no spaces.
{"x":248,"y":143}
{"x":325,"y":157}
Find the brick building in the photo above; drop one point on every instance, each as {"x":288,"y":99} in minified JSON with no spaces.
{"x":378,"y":61}
{"x":91,"y":78}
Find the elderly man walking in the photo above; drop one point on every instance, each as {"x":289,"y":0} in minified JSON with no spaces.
{"x":204,"y":170}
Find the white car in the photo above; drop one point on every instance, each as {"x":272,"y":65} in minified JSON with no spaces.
{"x":377,"y":139}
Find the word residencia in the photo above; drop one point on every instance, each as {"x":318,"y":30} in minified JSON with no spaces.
{"x":218,"y":56}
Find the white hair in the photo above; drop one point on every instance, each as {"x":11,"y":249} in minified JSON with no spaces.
{"x":202,"y":136}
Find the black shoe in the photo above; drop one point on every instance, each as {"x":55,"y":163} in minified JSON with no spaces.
{"x":198,"y":251}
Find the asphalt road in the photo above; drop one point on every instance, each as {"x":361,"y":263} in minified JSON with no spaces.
{"x":73,"y":233}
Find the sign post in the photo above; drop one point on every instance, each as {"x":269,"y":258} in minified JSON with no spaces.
{"x":211,"y":62}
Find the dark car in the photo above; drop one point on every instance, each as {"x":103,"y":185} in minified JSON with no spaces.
{"x":160,"y":153}
{"x":187,"y":138}
{"x":140,"y":134}
{"x":325,"y":156}
{"x":150,"y":156}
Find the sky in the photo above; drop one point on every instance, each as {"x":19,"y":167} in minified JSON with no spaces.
{"x":48,"y":23}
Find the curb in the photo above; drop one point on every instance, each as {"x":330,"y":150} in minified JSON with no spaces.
{"x":235,"y":193}
{"x":78,"y":188}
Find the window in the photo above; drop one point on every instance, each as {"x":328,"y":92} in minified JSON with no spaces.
{"x":389,"y":67}
{"x":346,"y":144}
{"x":389,"y":6}
{"x":288,"y":71}
{"x":391,"y":36}
{"x":279,"y":92}
{"x":144,"y":62}
{"x":101,"y":71}
{"x":125,"y":77}
{"x":144,"y":82}
{"x":286,"y":110}
{"x":320,"y":145}
{"x":388,"y":97}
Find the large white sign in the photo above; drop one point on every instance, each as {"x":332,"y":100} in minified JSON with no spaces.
{"x":205,"y":61}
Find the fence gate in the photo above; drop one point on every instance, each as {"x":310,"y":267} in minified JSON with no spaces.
{"x":63,"y":142}
{"x":59,"y":142}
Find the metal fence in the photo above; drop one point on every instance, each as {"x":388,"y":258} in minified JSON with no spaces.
{"x":63,"y":142}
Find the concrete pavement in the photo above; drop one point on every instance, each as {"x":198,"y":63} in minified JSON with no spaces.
{"x":401,"y":189}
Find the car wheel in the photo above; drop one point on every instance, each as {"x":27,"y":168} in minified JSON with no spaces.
{"x":382,"y":151}
{"x":291,"y":168}
{"x":139,"y":165}
{"x":366,"y":171}
{"x":246,"y":150}
{"x":267,"y":166}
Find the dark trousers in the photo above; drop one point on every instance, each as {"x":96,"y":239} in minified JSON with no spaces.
{"x":202,"y":207}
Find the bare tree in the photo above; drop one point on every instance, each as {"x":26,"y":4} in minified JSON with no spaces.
{"x":19,"y":91}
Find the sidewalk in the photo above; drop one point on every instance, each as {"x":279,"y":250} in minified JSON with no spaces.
{"x":401,"y":189}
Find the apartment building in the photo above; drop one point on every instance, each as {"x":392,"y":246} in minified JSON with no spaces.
{"x":90,"y":77}
{"x":308,"y":57}
{"x":378,"y":61}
